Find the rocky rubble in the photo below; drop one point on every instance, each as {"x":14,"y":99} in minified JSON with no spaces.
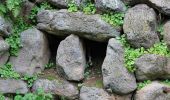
{"x":62,"y":46}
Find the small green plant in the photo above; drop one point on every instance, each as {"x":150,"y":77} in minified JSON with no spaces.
{"x":131,"y":54}
{"x":160,"y":29}
{"x":49,"y":65}
{"x":143,"y":84}
{"x":6,"y":71}
{"x":2,"y":97}
{"x":36,"y":9}
{"x":14,"y":39}
{"x":115,"y":19}
{"x":29,"y":79}
{"x":72,"y":6}
{"x":167,"y":82}
{"x":10,"y":6}
{"x":89,"y":8}
{"x":38,"y":95}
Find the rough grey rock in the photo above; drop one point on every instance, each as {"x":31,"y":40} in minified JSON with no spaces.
{"x":4,"y":54}
{"x":63,"y":23}
{"x":93,"y":93}
{"x":166,"y":32}
{"x":153,"y":91}
{"x":27,"y":6}
{"x":33,"y":55}
{"x":115,"y":76}
{"x":5,"y":27}
{"x":161,"y":5}
{"x":13,"y":86}
{"x":57,"y":87}
{"x":64,"y":3}
{"x":131,"y":2}
{"x":140,"y":26}
{"x":151,"y":67}
{"x":113,"y":5}
{"x":71,"y":58}
{"x":123,"y":97}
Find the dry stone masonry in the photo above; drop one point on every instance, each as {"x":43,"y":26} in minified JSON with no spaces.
{"x":74,"y":55}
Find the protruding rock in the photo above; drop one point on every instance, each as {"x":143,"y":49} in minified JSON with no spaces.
{"x":13,"y":86}
{"x":151,"y":67}
{"x":71,"y":58}
{"x":34,"y":54}
{"x":5,"y":27}
{"x":153,"y":91}
{"x":140,"y":26}
{"x":4,"y":54}
{"x":115,"y":76}
{"x":93,"y":93}
{"x":162,"y":6}
{"x":166,"y":33}
{"x":57,"y":87}
{"x":63,"y":23}
{"x":113,"y":5}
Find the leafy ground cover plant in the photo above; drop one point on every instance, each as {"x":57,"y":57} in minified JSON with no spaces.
{"x":131,"y":54}
{"x":140,"y":85}
{"x":115,"y":19}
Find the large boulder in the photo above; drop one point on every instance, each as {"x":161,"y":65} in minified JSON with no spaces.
{"x":5,"y":27}
{"x":93,"y":93}
{"x":153,"y":91}
{"x":166,"y":33}
{"x":57,"y":87}
{"x":71,"y":58}
{"x":140,"y":26}
{"x":162,"y":6}
{"x":113,"y":5}
{"x":115,"y":75}
{"x":151,"y":67}
{"x":62,"y":23}
{"x":13,"y":86}
{"x":34,"y":54}
{"x":4,"y":54}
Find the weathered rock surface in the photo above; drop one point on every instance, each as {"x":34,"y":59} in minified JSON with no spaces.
{"x":4,"y":54}
{"x":13,"y":86}
{"x":161,"y":5}
{"x":151,"y":67}
{"x":63,"y":23}
{"x":34,"y":54}
{"x":123,"y":97}
{"x":166,"y":33}
{"x":93,"y":93}
{"x":131,"y":2}
{"x":71,"y":58}
{"x":5,"y":27}
{"x":113,"y":5}
{"x":57,"y":87}
{"x":153,"y":91}
{"x":140,"y":26}
{"x":115,"y":76}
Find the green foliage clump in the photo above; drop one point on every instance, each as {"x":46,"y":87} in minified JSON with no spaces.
{"x":6,"y":71}
{"x":10,"y":6}
{"x":160,"y":29}
{"x":49,"y":65}
{"x":115,"y":19}
{"x":140,"y":85}
{"x":2,"y":97}
{"x":72,"y":6}
{"x":167,"y":82}
{"x":89,"y":8}
{"x":131,"y":53}
{"x":29,"y":79}
{"x":36,"y":9}
{"x":38,"y":95}
{"x":14,"y":39}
